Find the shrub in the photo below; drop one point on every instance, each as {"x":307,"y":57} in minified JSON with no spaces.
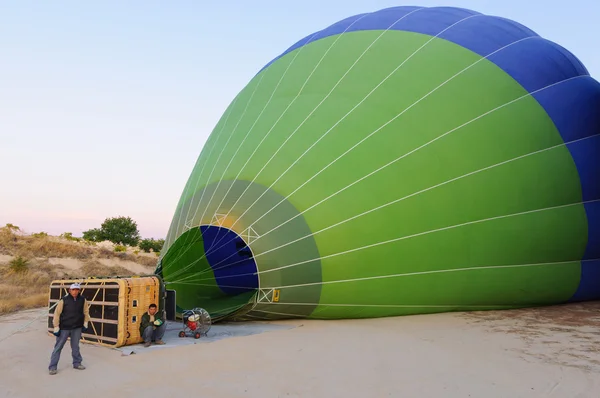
{"x":93,"y":235}
{"x":40,"y":235}
{"x":120,"y":248}
{"x":118,"y":230}
{"x":152,"y":244}
{"x":69,"y":236}
{"x":18,"y":264}
{"x":12,"y":227}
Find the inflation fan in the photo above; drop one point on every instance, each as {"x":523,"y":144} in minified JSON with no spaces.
{"x":196,"y":322}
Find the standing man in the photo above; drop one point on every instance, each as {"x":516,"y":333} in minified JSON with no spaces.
{"x":152,"y":327}
{"x":71,"y":317}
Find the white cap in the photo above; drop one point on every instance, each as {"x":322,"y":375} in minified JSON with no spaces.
{"x":75,"y":286}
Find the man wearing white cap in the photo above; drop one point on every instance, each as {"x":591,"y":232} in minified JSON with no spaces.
{"x":71,"y":317}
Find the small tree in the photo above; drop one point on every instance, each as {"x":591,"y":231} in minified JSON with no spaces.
{"x":93,"y":235}
{"x":120,"y":230}
{"x":151,"y":244}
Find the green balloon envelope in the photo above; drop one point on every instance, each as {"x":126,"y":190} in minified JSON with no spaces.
{"x":407,"y":161}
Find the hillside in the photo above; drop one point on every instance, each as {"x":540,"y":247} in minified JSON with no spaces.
{"x":29,"y":262}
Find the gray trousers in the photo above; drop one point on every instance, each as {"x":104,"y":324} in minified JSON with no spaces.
{"x":75,"y":335}
{"x":151,"y":334}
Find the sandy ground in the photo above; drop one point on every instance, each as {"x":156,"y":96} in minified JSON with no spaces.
{"x":549,"y":352}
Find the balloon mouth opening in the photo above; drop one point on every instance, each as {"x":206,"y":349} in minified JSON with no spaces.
{"x":211,"y":267}
{"x":231,"y":260}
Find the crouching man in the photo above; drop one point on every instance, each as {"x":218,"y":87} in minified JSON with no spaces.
{"x":71,"y":318}
{"x":152,"y":327}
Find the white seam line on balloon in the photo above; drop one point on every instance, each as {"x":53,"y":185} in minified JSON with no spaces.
{"x":429,"y":232}
{"x":321,"y":307}
{"x":217,"y":161}
{"x":186,"y":190}
{"x":213,"y":285}
{"x":423,"y":233}
{"x":248,"y":133}
{"x":441,"y":271}
{"x":399,"y":305}
{"x":322,"y":101}
{"x":377,"y":170}
{"x":301,"y":89}
{"x":261,"y":318}
{"x":276,"y":313}
{"x":233,"y":307}
{"x":289,"y":105}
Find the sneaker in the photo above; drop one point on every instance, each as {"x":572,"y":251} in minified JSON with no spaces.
{"x":52,"y":371}
{"x":160,"y":342}
{"x":80,"y":367}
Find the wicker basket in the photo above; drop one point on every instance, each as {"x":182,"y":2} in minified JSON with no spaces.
{"x":116,"y":306}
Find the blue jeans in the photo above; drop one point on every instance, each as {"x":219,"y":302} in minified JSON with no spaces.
{"x":154,"y":334}
{"x":75,"y":335}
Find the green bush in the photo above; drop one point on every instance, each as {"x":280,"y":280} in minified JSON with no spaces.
{"x":118,"y":230}
{"x":69,"y":236}
{"x":151,"y":244}
{"x":12,"y":227}
{"x":120,"y":248}
{"x":18,"y":264}
{"x":40,"y":235}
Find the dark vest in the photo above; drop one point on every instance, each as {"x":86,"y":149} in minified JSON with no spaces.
{"x":72,"y":313}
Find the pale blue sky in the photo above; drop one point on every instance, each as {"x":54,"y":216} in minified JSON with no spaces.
{"x":105,"y":105}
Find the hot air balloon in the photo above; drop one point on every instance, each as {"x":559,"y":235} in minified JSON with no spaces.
{"x":405,"y":161}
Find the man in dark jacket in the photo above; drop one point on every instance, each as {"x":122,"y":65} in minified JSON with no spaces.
{"x":71,"y":317}
{"x":152,"y":326}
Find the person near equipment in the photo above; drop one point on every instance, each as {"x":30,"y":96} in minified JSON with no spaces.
{"x":152,"y":327}
{"x":71,"y":318}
